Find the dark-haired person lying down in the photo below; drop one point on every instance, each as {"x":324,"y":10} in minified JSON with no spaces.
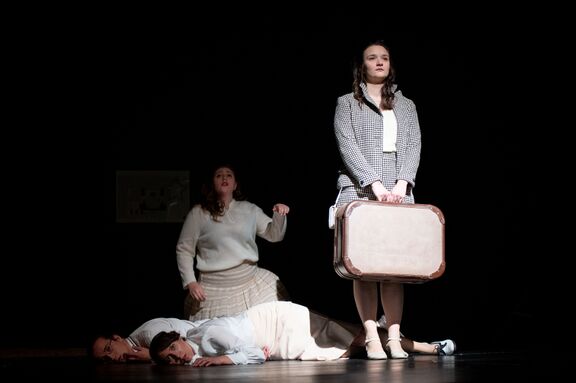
{"x":278,"y":330}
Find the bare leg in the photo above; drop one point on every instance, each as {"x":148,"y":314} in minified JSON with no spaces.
{"x":366,"y":297}
{"x":392,"y":296}
{"x":411,"y":345}
{"x":421,"y":347}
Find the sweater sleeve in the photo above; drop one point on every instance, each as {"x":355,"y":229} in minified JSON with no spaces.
{"x":186,"y":246}
{"x":272,"y":230}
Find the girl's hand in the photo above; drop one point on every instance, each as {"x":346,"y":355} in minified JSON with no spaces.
{"x":281,"y":209}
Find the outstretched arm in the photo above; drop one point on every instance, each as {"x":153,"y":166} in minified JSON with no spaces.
{"x":212,"y":361}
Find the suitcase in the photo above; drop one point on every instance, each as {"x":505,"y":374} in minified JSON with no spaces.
{"x":381,"y":241}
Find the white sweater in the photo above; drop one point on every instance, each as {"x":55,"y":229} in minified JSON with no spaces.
{"x":222,"y":245}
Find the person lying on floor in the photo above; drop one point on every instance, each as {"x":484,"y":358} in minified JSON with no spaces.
{"x":279,"y":330}
{"x":134,"y":348}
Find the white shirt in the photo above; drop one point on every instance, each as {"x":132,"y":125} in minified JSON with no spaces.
{"x":143,"y":335}
{"x":231,"y":336}
{"x":390,"y":131}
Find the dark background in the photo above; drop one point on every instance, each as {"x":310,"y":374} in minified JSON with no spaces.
{"x":127,"y":101}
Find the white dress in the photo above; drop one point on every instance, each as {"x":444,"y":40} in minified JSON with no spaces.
{"x":282,"y":327}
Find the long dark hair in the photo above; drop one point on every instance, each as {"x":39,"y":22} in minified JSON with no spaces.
{"x":210,"y":201}
{"x":359,"y":72}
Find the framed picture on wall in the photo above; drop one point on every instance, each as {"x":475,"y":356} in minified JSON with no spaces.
{"x":152,"y":195}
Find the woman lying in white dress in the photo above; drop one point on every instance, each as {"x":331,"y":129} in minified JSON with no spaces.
{"x":278,"y":330}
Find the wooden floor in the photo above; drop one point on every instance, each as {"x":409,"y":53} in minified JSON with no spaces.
{"x":461,"y":367}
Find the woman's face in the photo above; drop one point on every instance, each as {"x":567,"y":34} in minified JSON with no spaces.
{"x":376,"y":64}
{"x":111,"y":349}
{"x":224,"y":181}
{"x":178,"y":352}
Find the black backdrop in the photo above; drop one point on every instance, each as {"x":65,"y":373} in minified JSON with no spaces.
{"x":72,"y":271}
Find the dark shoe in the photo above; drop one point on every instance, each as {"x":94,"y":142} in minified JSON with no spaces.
{"x":445,"y":347}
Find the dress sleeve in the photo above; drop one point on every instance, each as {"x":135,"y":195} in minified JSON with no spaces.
{"x":220,"y":340}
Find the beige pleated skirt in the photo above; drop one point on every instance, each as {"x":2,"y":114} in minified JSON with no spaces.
{"x":285,"y":328}
{"x":233,"y":291}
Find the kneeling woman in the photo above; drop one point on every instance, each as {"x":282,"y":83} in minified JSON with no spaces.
{"x":270,"y":331}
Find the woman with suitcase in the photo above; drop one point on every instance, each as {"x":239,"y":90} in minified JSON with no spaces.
{"x":378,"y":138}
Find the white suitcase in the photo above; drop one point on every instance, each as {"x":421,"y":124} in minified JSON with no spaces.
{"x":380,"y":241}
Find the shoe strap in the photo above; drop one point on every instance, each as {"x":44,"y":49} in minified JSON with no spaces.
{"x":368,"y":340}
{"x":440,"y":348}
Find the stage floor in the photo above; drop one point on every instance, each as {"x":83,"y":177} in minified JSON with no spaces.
{"x":72,"y":365}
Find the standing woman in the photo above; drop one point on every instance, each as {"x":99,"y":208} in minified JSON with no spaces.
{"x":378,"y":137}
{"x":218,"y":241}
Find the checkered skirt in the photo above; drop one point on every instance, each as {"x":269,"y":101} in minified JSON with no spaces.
{"x":230,"y":292}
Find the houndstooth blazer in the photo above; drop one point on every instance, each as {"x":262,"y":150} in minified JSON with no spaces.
{"x":359,"y":132}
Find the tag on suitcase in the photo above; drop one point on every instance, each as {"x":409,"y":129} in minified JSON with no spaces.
{"x":380,"y":241}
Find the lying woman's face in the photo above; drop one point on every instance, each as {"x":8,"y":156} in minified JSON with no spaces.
{"x":113,"y":349}
{"x":179,"y":352}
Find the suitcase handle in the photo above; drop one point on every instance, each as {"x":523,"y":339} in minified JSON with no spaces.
{"x":332,"y":212}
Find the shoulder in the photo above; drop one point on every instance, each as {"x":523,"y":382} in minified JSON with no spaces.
{"x":247,"y":207}
{"x":245,"y":204}
{"x":403,"y":102}
{"x":345,"y":102}
{"x":196,"y":210}
{"x":154,"y":321}
{"x":146,"y":326}
{"x":398,"y":95}
{"x":172,"y":320}
{"x":345,"y":97}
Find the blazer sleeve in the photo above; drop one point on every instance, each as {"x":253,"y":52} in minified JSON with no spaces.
{"x":411,"y":161}
{"x":352,"y":157}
